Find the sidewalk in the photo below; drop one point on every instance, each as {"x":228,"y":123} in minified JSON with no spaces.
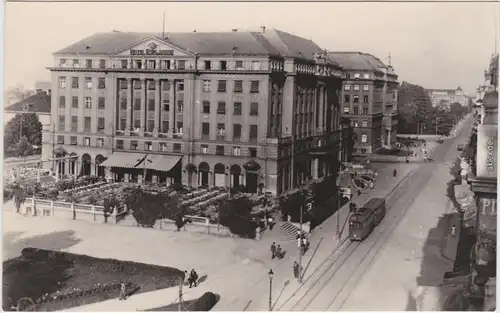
{"x":451,"y":241}
{"x":143,"y":301}
{"x":323,"y":239}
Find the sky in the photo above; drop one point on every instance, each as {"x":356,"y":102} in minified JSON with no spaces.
{"x":436,"y":45}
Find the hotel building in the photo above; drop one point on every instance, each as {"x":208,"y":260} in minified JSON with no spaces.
{"x":369,"y":100}
{"x":253,"y":109}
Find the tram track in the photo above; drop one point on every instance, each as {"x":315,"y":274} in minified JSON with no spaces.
{"x":341,"y":251}
{"x":351,"y":262}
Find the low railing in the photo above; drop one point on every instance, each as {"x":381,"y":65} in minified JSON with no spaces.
{"x":78,"y":211}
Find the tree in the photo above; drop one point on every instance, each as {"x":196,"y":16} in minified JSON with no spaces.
{"x":148,"y":208}
{"x":18,"y":93}
{"x":414,"y":106}
{"x":22,"y":148}
{"x":234,"y":213}
{"x":31,"y":128}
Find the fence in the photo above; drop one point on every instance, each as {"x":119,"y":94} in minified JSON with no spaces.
{"x":76,"y":211}
{"x":85,"y":188}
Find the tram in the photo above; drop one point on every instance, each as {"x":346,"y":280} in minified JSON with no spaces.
{"x":363,"y":220}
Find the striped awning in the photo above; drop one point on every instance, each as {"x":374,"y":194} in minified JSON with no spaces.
{"x":159,"y":162}
{"x":124,"y":160}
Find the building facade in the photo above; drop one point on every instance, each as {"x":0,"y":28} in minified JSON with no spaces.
{"x":483,"y":182}
{"x":233,"y":109}
{"x":369,"y":100}
{"x":446,"y":97}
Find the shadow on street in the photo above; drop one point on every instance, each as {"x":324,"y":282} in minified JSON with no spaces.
{"x":57,"y":241}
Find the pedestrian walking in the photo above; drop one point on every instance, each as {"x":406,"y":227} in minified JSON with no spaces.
{"x":407,"y":160}
{"x":453,"y":230}
{"x":395,"y":173}
{"x":372,"y":184}
{"x":194,"y":279}
{"x":279,"y":252}
{"x":186,"y":278}
{"x":123,"y":291}
{"x":295,"y":269}
{"x":271,"y":222}
{"x":273,"y":251}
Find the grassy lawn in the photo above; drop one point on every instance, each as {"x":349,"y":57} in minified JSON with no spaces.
{"x":40,"y":272}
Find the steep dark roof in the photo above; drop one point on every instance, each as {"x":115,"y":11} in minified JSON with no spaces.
{"x":357,"y":61}
{"x":271,"y":42}
{"x":40,"y":103}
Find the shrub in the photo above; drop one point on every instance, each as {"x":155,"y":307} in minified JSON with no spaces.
{"x":234,"y":213}
{"x":147,"y":208}
{"x":204,"y":303}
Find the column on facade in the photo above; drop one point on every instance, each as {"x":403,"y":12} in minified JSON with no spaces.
{"x":144,"y":110}
{"x":129,"y":104}
{"x":171,"y":125}
{"x":315,"y":168}
{"x":157,"y":123}
{"x":319,"y":91}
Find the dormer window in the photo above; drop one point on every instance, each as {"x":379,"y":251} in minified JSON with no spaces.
{"x":366,"y":76}
{"x":62,"y":62}
{"x":138,"y":64}
{"x":255,"y":65}
{"x":152,"y":64}
{"x":124,"y":63}
{"x":166,"y":64}
{"x":76,"y":63}
{"x":356,"y":75}
{"x":181,"y":64}
{"x":102,"y":63}
{"x":88,"y":63}
{"x":208,"y":65}
{"x":223,"y":65}
{"x":239,"y":65}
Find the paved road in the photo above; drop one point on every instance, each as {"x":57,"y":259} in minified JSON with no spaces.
{"x":384,"y":272}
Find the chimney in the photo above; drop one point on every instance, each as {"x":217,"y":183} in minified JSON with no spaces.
{"x":263,"y":28}
{"x":234,"y":30}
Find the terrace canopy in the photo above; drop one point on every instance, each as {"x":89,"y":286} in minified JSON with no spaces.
{"x":124,"y":160}
{"x":160,"y":162}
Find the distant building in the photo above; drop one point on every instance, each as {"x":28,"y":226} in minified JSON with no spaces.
{"x":369,"y":100}
{"x":228,"y":109}
{"x":447,"y":96}
{"x":43,"y":86}
{"x":38,"y":103}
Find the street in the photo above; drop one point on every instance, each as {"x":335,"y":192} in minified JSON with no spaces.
{"x":384,"y":271}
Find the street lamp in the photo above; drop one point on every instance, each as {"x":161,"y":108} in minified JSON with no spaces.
{"x":271,"y":275}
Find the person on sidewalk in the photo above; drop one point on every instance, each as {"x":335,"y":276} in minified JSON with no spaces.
{"x":193,"y":279}
{"x":273,"y":251}
{"x":187,"y":278}
{"x":279,"y":252}
{"x":296,"y":269}
{"x":123,"y":291}
{"x":395,"y":173}
{"x":271,"y":222}
{"x":453,"y":230}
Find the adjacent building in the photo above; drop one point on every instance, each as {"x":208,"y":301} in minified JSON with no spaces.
{"x":483,"y":182}
{"x":258,"y":110}
{"x":369,"y":100}
{"x":38,"y":103}
{"x":446,"y":97}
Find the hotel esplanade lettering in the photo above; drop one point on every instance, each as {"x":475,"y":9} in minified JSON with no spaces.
{"x":152,"y":50}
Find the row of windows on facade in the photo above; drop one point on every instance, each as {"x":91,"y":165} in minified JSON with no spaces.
{"x":151,"y":85}
{"x":162,"y":64}
{"x":355,"y":99}
{"x":205,"y":109}
{"x":356,"y":111}
{"x":356,"y":87}
{"x":357,"y":75}
{"x":87,"y":104}
{"x":162,"y":147}
{"x":101,"y":124}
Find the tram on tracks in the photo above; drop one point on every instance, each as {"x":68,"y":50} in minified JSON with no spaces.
{"x":363,"y":220}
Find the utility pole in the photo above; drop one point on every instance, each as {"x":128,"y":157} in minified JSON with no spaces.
{"x":437,"y":121}
{"x":300,"y":244}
